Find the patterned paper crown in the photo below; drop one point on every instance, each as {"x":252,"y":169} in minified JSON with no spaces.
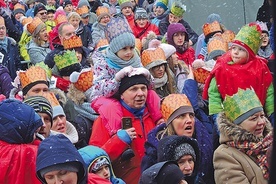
{"x":209,"y":28}
{"x":82,"y":10}
{"x":26,"y":20}
{"x":67,"y":58}
{"x":34,"y":24}
{"x":138,"y":44}
{"x":46,"y":68}
{"x":217,"y":43}
{"x":102,"y":10}
{"x":178,"y":8}
{"x":228,"y":36}
{"x":263,"y":26}
{"x":173,"y":102}
{"x":102,"y":43}
{"x":153,"y":57}
{"x":250,"y":35}
{"x":51,"y":97}
{"x":60,"y":17}
{"x":19,"y":6}
{"x":33,"y":74}
{"x":201,"y":74}
{"x":116,"y":27}
{"x":123,"y":1}
{"x":82,"y":80}
{"x":240,"y":103}
{"x":72,"y":42}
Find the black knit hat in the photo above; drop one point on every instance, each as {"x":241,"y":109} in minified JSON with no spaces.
{"x":41,"y":105}
{"x":65,"y":3}
{"x":127,"y":82}
{"x":170,"y":173}
{"x":38,"y":8}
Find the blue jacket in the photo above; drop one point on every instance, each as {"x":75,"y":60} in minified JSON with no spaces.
{"x":18,"y":122}
{"x":58,"y":149}
{"x":5,"y":81}
{"x":91,"y":153}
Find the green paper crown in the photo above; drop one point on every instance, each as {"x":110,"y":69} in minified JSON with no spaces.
{"x":240,"y":103}
{"x":123,"y":1}
{"x":178,"y":8}
{"x":46,"y":68}
{"x":66,"y":58}
{"x":250,"y":36}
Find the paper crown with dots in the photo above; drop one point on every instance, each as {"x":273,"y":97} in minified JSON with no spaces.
{"x":82,"y":80}
{"x":46,"y":68}
{"x":209,"y":28}
{"x":65,"y":59}
{"x":240,"y":104}
{"x":31,"y":75}
{"x":34,"y":24}
{"x":82,"y":10}
{"x":72,"y":42}
{"x":152,"y":57}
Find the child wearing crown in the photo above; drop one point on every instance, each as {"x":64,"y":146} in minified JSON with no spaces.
{"x":241,"y":68}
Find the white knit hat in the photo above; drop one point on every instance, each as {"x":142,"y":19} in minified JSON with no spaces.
{"x":168,"y":49}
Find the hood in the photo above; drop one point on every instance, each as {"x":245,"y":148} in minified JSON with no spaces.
{"x":77,"y":96}
{"x":18,"y":122}
{"x":98,"y":27}
{"x":232,"y":132}
{"x":71,"y":132}
{"x":58,"y":149}
{"x":60,"y":95}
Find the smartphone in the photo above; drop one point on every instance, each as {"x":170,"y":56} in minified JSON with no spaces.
{"x":126,"y":122}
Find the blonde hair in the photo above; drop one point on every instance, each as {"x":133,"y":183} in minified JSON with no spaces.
{"x":73,"y":15}
{"x":166,"y":132}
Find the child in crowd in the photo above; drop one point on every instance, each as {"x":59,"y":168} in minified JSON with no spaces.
{"x":161,"y":11}
{"x":265,"y":50}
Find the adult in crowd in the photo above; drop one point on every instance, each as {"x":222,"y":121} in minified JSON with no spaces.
{"x":176,"y":16}
{"x":126,"y":146}
{"x":18,"y":125}
{"x":5,"y":82}
{"x":245,"y":136}
{"x":265,"y":50}
{"x":58,"y":161}
{"x":127,"y":11}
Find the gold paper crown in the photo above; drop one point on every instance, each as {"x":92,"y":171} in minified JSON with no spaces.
{"x":26,"y":20}
{"x":201,"y":75}
{"x":240,"y":103}
{"x":138,"y":44}
{"x":19,"y":6}
{"x":173,"y":102}
{"x":102,"y":10}
{"x":152,"y":56}
{"x":84,"y":80}
{"x":51,"y":97}
{"x":82,"y":10}
{"x":60,"y":19}
{"x":33,"y":74}
{"x":102,"y":42}
{"x":72,"y":42}
{"x":67,"y":58}
{"x":33,"y":25}
{"x":209,"y":28}
{"x":217,"y":43}
{"x":46,"y":68}
{"x":228,"y":36}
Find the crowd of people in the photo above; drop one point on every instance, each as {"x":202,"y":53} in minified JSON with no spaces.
{"x":126,"y":91}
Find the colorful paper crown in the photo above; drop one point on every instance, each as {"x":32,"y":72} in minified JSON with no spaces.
{"x":82,"y":10}
{"x":178,"y":8}
{"x":138,"y":44}
{"x":33,"y":74}
{"x":217,"y":43}
{"x":116,"y":27}
{"x":102,"y":10}
{"x":82,"y":80}
{"x":51,"y":97}
{"x":123,"y":1}
{"x":173,"y":102}
{"x":153,"y":57}
{"x":26,"y":20}
{"x":46,"y":68}
{"x":34,"y":24}
{"x":201,"y":74}
{"x":263,"y":26}
{"x":102,"y":43}
{"x":240,"y":103}
{"x":228,"y":36}
{"x":19,"y":6}
{"x":60,"y":17}
{"x":209,"y":28}
{"x":67,"y":58}
{"x":250,"y":35}
{"x":72,"y":42}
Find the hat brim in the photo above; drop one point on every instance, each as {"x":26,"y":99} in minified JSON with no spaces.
{"x":214,"y":54}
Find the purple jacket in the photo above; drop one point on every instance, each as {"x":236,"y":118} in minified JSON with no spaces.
{"x":5,"y":81}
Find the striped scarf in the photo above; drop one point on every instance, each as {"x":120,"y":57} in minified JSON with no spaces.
{"x":256,"y":150}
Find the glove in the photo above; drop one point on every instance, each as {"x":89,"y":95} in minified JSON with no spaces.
{"x":123,"y":72}
{"x":3,"y":13}
{"x":140,"y":71}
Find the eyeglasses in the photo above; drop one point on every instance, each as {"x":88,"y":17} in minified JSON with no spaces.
{"x":2,"y":27}
{"x":43,"y":13}
{"x":162,"y":66}
{"x":141,"y":16}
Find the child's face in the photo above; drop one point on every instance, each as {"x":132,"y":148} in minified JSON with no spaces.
{"x":173,"y":18}
{"x":126,"y":53}
{"x":75,"y":22}
{"x":265,"y":39}
{"x":239,"y":55}
{"x":159,"y":10}
{"x":158,"y":71}
{"x":68,"y":8}
{"x":79,"y":56}
{"x":104,"y":172}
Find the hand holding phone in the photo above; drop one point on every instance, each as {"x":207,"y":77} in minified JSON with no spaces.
{"x":126,"y":123}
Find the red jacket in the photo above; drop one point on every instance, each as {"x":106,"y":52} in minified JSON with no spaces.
{"x":130,"y":20}
{"x":143,"y":32}
{"x":95,"y":179}
{"x":18,"y":163}
{"x":129,"y":171}
{"x":188,"y":56}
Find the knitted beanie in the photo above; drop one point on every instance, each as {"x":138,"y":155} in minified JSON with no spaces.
{"x":141,"y":13}
{"x":127,"y":82}
{"x":213,"y":17}
{"x":175,"y":28}
{"x":162,"y":5}
{"x":124,"y":3}
{"x":184,"y":149}
{"x":65,"y":3}
{"x":98,"y":163}
{"x":119,"y":34}
{"x":38,"y":8}
{"x":170,"y":173}
{"x":19,"y":8}
{"x":41,"y":1}
{"x":168,"y":49}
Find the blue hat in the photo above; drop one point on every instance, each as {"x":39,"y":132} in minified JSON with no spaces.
{"x":162,"y":5}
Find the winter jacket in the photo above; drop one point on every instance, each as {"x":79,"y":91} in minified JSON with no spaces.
{"x":11,"y":57}
{"x":143,"y":32}
{"x":204,"y":143}
{"x":90,"y":154}
{"x":61,"y":151}
{"x":17,"y":127}
{"x":130,"y":20}
{"x":37,"y":53}
{"x":5,"y":81}
{"x":12,"y":30}
{"x":156,"y":20}
{"x":24,"y":40}
{"x":128,"y":170}
{"x":71,"y":132}
{"x":232,"y":165}
{"x":98,"y":33}
{"x":85,"y":34}
{"x":164,"y":24}
{"x":188,"y":56}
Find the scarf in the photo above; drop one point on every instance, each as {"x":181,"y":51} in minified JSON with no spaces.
{"x":265,"y":52}
{"x":159,"y":82}
{"x":86,"y":111}
{"x":255,"y":150}
{"x":137,"y":112}
{"x":4,"y":44}
{"x":114,"y":61}
{"x":181,"y":49}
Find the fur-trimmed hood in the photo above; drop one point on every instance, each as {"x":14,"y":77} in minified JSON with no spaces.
{"x":61,"y":97}
{"x":232,"y":132}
